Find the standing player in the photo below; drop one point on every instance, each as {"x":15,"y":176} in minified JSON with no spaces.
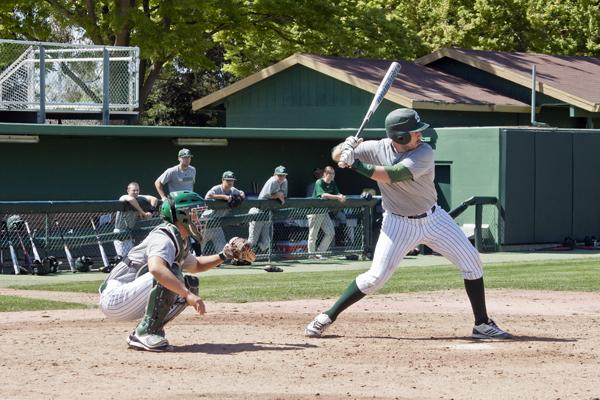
{"x":125,"y":220}
{"x":403,"y":167}
{"x":276,"y":187}
{"x":325,"y":188}
{"x":180,"y":177}
{"x":149,"y":283}
{"x":225,"y":191}
{"x":177,"y":178}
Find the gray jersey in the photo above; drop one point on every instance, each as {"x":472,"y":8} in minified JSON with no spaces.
{"x":218,"y":189}
{"x":157,"y":243}
{"x":411,"y":197}
{"x":271,"y":187}
{"x":175,"y":179}
{"x":125,"y":220}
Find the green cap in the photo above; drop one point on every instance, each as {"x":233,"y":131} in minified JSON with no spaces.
{"x":281,"y":170}
{"x":185,"y":153}
{"x":228,"y":176}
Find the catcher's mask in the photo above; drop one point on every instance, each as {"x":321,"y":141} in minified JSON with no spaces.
{"x":186,"y":207}
{"x":401,"y":122}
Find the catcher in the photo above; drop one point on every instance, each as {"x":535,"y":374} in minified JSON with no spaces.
{"x":149,"y":282}
{"x":233,"y":196}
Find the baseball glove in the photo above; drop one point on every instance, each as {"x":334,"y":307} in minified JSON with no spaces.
{"x":239,"y":249}
{"x":235,"y":200}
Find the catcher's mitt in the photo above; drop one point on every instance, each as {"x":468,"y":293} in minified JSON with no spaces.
{"x":235,"y":200}
{"x":239,"y":249}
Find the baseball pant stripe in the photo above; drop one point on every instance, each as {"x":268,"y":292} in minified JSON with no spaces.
{"x":388,"y":252}
{"x":447,"y":239}
{"x":445,"y":243}
{"x":470,"y":256}
{"x":127,"y":301}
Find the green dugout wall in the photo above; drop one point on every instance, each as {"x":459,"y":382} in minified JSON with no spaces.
{"x":549,"y":185}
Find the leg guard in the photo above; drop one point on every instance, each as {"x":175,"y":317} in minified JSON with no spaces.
{"x":192,"y":283}
{"x":160,"y":302}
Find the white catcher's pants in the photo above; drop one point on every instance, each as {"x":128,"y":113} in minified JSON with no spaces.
{"x":128,"y":301}
{"x":399,"y":235}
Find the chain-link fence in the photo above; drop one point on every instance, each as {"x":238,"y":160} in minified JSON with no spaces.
{"x":67,"y":77}
{"x":36,"y":230}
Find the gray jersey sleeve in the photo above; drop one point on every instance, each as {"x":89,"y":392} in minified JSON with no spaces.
{"x":214,"y":190}
{"x":368,"y":151}
{"x":159,"y":244}
{"x":165,"y":177}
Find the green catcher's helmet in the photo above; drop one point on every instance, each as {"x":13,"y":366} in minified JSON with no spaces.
{"x":185,"y":207}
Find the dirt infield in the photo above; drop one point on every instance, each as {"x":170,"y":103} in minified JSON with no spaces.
{"x":408,"y":346}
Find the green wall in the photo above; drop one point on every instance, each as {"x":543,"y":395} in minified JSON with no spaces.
{"x":473,"y":157}
{"x":548,"y":187}
{"x":99,"y":168}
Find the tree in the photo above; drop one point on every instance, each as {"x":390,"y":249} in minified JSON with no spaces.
{"x":275,"y":29}
{"x":179,"y":40}
{"x":164,"y":30}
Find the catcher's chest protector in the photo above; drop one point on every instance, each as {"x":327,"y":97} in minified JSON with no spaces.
{"x":182,"y":247}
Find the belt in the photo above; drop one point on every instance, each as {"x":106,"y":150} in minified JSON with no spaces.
{"x":426,"y":213}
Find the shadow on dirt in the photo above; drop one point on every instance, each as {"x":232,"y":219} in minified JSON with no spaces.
{"x":470,"y":339}
{"x":230,"y":348}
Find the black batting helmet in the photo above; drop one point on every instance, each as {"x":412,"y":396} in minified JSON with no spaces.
{"x":399,"y":123}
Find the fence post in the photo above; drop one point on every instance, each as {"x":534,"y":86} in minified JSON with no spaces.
{"x":105,"y":86}
{"x":41,"y":116}
{"x":46,"y":232}
{"x":478,"y":221}
{"x":366,"y":234}
{"x":271,"y":231}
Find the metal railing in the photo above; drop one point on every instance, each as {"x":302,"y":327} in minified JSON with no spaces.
{"x":478,"y":202}
{"x":49,"y":226}
{"x":53,"y":76}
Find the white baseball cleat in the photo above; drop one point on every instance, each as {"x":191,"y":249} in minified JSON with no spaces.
{"x":149,"y":342}
{"x":318,"y":325}
{"x":489,"y":331}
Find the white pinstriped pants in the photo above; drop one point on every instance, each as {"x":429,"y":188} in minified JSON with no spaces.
{"x":399,"y":235}
{"x":128,"y":301}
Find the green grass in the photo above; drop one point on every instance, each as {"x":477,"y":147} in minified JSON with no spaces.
{"x":13,"y":303}
{"x":573,"y":275}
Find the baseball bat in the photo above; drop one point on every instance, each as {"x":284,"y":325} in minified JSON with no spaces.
{"x":36,"y":255}
{"x":67,"y":251}
{"x":13,"y":256}
{"x":102,"y":252}
{"x":26,"y":255}
{"x":383,"y":88}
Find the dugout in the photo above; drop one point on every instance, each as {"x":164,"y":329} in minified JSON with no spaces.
{"x":542,"y":177}
{"x":293,"y":112}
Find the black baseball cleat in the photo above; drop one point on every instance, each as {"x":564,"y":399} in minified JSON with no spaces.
{"x":489,"y":331}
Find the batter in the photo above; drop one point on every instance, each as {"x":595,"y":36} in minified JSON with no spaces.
{"x":403,"y":167}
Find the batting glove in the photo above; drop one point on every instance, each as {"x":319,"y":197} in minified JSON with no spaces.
{"x":346,"y":158}
{"x":352,"y":142}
